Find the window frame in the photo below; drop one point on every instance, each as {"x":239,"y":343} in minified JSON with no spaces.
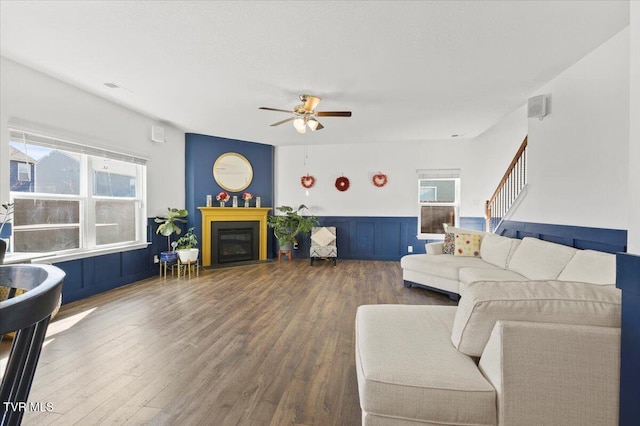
{"x":87,"y":201}
{"x":438,"y":175}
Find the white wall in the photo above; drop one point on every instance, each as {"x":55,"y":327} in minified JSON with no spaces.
{"x":577,"y":155}
{"x":634,"y":131}
{"x":482,"y":160}
{"x":44,"y":103}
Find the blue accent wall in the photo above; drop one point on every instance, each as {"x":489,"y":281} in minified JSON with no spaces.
{"x":600,"y":239}
{"x":201,"y":152}
{"x":628,"y":280}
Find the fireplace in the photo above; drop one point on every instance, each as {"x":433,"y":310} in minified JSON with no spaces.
{"x":233,"y":218}
{"x":234,"y":241}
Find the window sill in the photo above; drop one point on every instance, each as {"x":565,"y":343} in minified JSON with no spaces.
{"x":434,"y":237}
{"x":64,"y":257}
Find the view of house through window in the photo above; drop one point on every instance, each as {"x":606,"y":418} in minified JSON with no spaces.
{"x":438,"y":199}
{"x":73,"y":197}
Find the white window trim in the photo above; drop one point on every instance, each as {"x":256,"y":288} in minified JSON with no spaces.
{"x":438,"y":174}
{"x":87,"y":230}
{"x":82,"y":254}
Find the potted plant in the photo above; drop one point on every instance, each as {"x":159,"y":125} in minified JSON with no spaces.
{"x":8,"y":211}
{"x":288,"y":225}
{"x":187,"y":251}
{"x":168,"y":226}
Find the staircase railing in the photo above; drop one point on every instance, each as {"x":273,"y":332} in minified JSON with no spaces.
{"x":514,"y":179}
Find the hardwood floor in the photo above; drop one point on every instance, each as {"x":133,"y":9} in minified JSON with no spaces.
{"x":265,"y":344}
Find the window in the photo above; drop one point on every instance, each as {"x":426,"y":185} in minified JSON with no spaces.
{"x":24,"y":172}
{"x":438,"y":200}
{"x":80,"y":197}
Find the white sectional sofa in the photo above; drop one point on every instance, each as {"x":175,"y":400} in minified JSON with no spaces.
{"x":505,"y":259}
{"x":534,"y":340}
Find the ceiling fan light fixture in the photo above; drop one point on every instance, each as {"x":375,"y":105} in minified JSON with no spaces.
{"x":305,"y":114}
{"x":300,"y":125}
{"x":312,"y":123}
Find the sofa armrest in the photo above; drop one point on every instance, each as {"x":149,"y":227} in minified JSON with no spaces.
{"x":554,"y":373}
{"x":434,"y":248}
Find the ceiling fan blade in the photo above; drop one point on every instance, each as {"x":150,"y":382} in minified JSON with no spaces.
{"x":333,"y":113}
{"x":282,"y":122}
{"x":276,"y":109}
{"x":310,"y":102}
{"x":320,"y":126}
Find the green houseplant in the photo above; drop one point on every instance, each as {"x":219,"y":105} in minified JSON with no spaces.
{"x":187,"y":247}
{"x":169,"y":226}
{"x":286,"y":226}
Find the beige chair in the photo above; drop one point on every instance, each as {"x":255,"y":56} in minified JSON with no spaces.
{"x":323,"y":244}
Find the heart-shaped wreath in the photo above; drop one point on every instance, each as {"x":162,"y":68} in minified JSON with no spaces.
{"x":380,"y":180}
{"x":342,"y":183}
{"x":307,"y":181}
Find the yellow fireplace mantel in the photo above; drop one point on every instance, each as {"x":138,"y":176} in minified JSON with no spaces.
{"x":232,"y":214}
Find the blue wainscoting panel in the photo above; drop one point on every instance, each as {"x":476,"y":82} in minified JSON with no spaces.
{"x":390,"y":243}
{"x":92,"y":275}
{"x":343,"y":239}
{"x":73,"y":287}
{"x":628,"y":280}
{"x":375,"y":238}
{"x":601,"y":239}
{"x":388,"y":238}
{"x":365,"y":237}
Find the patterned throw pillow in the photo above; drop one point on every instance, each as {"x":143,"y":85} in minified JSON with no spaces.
{"x":449,"y":243}
{"x":467,"y":245}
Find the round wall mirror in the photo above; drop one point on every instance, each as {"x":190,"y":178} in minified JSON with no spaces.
{"x":233,"y":172}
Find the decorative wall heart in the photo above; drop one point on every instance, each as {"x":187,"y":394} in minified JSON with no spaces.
{"x":380,"y":180}
{"x":307,"y":181}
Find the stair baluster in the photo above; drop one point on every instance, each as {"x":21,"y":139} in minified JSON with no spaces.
{"x":510,"y":186}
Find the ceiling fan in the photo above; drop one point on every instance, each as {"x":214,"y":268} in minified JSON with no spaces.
{"x":304,"y":115}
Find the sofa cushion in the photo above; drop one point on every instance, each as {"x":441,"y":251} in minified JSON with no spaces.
{"x":408,"y":369}
{"x":592,"y":267}
{"x":486,"y":302}
{"x":443,"y":265}
{"x":467,"y":245}
{"x":470,"y":275}
{"x":467,"y":231}
{"x":497,"y":250}
{"x":540,"y":260}
{"x":449,"y":244}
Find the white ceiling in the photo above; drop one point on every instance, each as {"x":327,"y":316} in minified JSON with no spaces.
{"x":409,"y":70}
